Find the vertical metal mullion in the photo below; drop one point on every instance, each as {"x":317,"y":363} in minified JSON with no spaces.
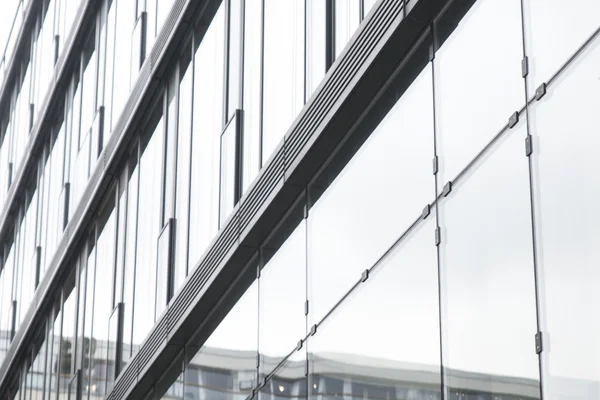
{"x":261,"y":84}
{"x":534,"y":242}
{"x":306,"y":66}
{"x":434,"y":46}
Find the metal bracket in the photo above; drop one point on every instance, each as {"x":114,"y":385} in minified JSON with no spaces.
{"x":258,"y":361}
{"x":525,"y":66}
{"x":435,"y":165}
{"x":513,"y":120}
{"x":528,"y":146}
{"x":365,"y":275}
{"x":438,"y":236}
{"x":313,"y":330}
{"x":426,"y":211}
{"x":305,"y":367}
{"x":431,"y":52}
{"x":539,"y":346}
{"x":540,"y":91}
{"x":447,"y":189}
{"x":299,"y":345}
{"x":306,"y":307}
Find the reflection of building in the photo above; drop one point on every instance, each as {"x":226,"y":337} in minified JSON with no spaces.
{"x":311,"y":199}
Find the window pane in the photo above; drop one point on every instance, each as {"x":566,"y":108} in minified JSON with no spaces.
{"x":315,"y":45}
{"x":282,"y":298}
{"x":184,"y":148}
{"x":67,"y":343}
{"x":148,"y":230}
{"x":566,"y":189}
{"x":123,"y":51}
{"x":481,"y":59}
{"x":383,"y":341}
{"x":554,"y":31}
{"x":225,"y":367}
{"x":347,"y":19}
{"x":487,"y":276}
{"x":283,"y":95}
{"x":289,"y":381}
{"x":374,"y":199}
{"x":252,"y":86}
{"x":235,"y":46}
{"x":208,"y":117}
{"x":170,"y":150}
{"x":229,"y":174}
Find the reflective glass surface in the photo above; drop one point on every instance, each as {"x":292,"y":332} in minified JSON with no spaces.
{"x":554,"y":31}
{"x":225,"y":367}
{"x":282,"y":294}
{"x":283,"y":90}
{"x":288,"y":381}
{"x":477,"y":62}
{"x":566,"y":187}
{"x":315,"y":44}
{"x":487,"y":275}
{"x":382,"y":341}
{"x":346,"y":233}
{"x":347,"y":18}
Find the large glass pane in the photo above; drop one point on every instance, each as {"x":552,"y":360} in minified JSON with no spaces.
{"x":225,"y":367}
{"x":554,"y":30}
{"x":170,"y":150}
{"x":383,"y":341}
{"x":110,"y":71}
{"x":229,"y":172}
{"x":374,"y":199}
{"x":124,"y":27}
{"x":208,"y":123}
{"x":481,"y":59}
{"x":347,"y":19}
{"x":235,"y":52}
{"x":282,"y":298}
{"x":148,"y":230}
{"x":487,"y":277}
{"x":252,"y":92}
{"x":283,"y":90}
{"x":289,"y":382}
{"x":566,"y":188}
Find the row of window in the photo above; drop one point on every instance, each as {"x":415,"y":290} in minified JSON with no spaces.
{"x":154,"y":226}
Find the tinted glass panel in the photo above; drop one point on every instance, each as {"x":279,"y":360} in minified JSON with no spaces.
{"x":565,"y":179}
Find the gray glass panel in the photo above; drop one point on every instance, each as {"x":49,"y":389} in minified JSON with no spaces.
{"x":225,"y":367}
{"x":125,"y":21}
{"x":382,"y":342}
{"x":282,"y":298}
{"x":235,"y":53}
{"x":228,"y":171}
{"x":478,"y":83}
{"x":566,"y":187}
{"x":289,"y":382}
{"x":487,"y":277}
{"x":554,"y":30}
{"x":374,"y":199}
{"x":315,"y":45}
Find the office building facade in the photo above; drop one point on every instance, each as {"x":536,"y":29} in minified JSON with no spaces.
{"x":300,"y":199}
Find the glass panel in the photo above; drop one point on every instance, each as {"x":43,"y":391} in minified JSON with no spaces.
{"x":229,"y":174}
{"x":170,"y":150}
{"x":148,"y":231}
{"x":566,"y":189}
{"x":111,"y":44}
{"x":347,"y":19}
{"x":225,"y":367}
{"x":137,"y":50}
{"x":396,"y":354}
{"x":184,"y":148}
{"x":130,"y":254}
{"x":315,"y":45}
{"x":163,"y":269}
{"x":252,"y":91}
{"x":67,"y":344}
{"x":123,"y":50}
{"x":282,"y":297}
{"x":163,"y":10}
{"x":289,"y":381}
{"x":113,"y":338}
{"x":283,"y":91}
{"x":477,"y":61}
{"x":370,"y":3}
{"x":235,"y":52}
{"x":390,"y":180}
{"x":88,"y":85}
{"x":554,"y":31}
{"x":54,"y":346}
{"x":208,"y":117}
{"x":487,"y":248}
